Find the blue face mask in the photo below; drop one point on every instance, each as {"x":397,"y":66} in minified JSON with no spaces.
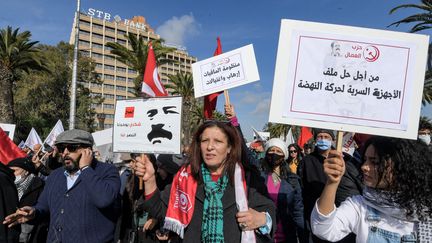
{"x":323,"y":144}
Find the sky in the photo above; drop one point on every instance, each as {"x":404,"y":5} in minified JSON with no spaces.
{"x":196,"y":25}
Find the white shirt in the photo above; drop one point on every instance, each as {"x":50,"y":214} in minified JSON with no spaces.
{"x":351,"y":216}
{"x":71,"y":179}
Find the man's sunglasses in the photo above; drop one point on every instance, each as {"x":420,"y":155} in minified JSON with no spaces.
{"x":70,"y":147}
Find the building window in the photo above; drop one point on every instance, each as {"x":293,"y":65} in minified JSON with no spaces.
{"x":131,"y":80}
{"x":98,"y":65}
{"x":96,"y":85}
{"x":84,"y":23}
{"x":109,"y":67}
{"x":109,"y":29}
{"x":111,"y":58}
{"x":97,"y":26}
{"x":122,"y":42}
{"x":84,"y":53}
{"x":120,"y":78}
{"x":132,"y":71}
{"x":121,"y":32}
{"x":97,"y":55}
{"x":108,"y":106}
{"x":121,"y":69}
{"x":83,"y":32}
{"x":106,"y":126}
{"x":109,"y":39}
{"x":108,"y":86}
{"x":108,"y":76}
{"x":97,"y":36}
{"x":96,"y":45}
{"x":109,"y":116}
{"x":84,"y":43}
{"x":108,"y":96}
{"x":121,"y":97}
{"x":122,"y":88}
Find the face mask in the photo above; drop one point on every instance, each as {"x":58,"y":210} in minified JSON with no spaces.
{"x":274,"y":159}
{"x":323,"y":144}
{"x":19,"y":179}
{"x":425,"y":138}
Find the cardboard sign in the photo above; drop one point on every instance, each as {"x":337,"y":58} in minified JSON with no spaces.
{"x":225,"y":71}
{"x":349,"y":79}
{"x":151,"y":125}
{"x":9,"y":129}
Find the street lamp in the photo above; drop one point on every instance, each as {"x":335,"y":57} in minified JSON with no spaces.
{"x":74,"y":70}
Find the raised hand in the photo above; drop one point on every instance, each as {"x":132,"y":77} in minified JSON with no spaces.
{"x":334,"y":166}
{"x":86,"y":157}
{"x":144,"y":168}
{"x":22,"y":215}
{"x":229,"y":111}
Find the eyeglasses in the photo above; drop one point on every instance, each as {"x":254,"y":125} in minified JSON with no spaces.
{"x":70,"y":147}
{"x":293,"y":151}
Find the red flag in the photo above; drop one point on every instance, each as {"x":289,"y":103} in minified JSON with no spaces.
{"x":8,"y":150}
{"x":151,"y":83}
{"x":211,"y":99}
{"x":305,"y":136}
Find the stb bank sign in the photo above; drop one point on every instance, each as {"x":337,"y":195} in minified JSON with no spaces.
{"x":107,"y":16}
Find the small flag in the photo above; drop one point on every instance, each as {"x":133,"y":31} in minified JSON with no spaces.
{"x":305,"y":136}
{"x":151,"y":83}
{"x":289,"y":138}
{"x":33,"y":139}
{"x":57,"y":129}
{"x":8,"y":150}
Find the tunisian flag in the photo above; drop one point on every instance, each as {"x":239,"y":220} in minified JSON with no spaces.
{"x":8,"y":150}
{"x":305,"y":135}
{"x":151,"y":83}
{"x":211,"y":99}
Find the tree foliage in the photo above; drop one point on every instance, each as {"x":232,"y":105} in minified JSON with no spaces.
{"x":42,"y":97}
{"x":135,"y":57}
{"x":422,"y":21}
{"x":17,"y":54}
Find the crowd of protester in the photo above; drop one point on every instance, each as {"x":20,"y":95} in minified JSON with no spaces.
{"x":221,"y":190}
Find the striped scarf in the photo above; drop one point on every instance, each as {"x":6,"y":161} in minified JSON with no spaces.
{"x":212,"y":224}
{"x":23,"y":185}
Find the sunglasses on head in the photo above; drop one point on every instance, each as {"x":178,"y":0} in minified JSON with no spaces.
{"x":70,"y":147}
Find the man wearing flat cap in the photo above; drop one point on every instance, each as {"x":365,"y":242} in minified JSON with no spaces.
{"x":314,"y":178}
{"x":81,"y":198}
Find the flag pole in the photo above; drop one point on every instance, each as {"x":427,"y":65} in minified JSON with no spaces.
{"x":141,"y":182}
{"x":339,"y":140}
{"x":227,"y":98}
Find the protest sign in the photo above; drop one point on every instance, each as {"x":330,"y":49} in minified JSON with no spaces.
{"x":349,"y":78}
{"x":225,"y":71}
{"x":150,"y":125}
{"x":9,"y":129}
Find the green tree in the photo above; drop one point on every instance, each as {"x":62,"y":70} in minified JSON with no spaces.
{"x":17,"y":54}
{"x":182,"y":84}
{"x":422,"y":21}
{"x":135,"y":57}
{"x":42,"y":97}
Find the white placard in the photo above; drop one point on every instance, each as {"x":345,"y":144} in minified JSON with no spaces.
{"x":225,"y":71}
{"x":349,"y":79}
{"x":9,"y":129}
{"x":150,"y":125}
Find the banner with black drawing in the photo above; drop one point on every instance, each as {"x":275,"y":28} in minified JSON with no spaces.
{"x":149,"y":125}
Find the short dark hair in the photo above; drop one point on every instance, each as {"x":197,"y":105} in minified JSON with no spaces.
{"x":233,"y":137}
{"x":425,"y":123}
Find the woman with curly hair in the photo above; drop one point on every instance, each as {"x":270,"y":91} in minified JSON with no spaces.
{"x":395,"y":204}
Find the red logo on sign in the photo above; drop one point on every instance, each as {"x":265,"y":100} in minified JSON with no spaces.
{"x":371,"y":53}
{"x":129,"y":113}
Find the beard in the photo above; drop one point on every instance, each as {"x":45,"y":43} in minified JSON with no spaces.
{"x":72,"y":167}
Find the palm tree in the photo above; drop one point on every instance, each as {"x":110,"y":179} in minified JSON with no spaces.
{"x":136,"y":57}
{"x":17,"y":53}
{"x":423,"y":21}
{"x":182,"y":84}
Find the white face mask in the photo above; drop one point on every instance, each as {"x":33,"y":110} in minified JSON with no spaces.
{"x":19,"y":179}
{"x":425,"y":139}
